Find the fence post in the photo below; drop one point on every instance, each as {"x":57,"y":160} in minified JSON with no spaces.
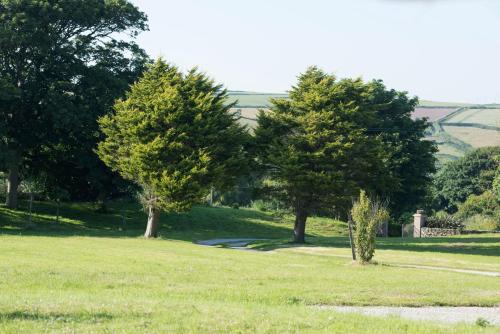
{"x":353,"y":249}
{"x":124,"y":220}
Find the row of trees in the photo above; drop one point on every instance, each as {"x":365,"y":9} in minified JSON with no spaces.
{"x":64,"y":63}
{"x":175,"y":136}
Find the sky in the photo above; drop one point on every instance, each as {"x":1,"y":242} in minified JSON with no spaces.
{"x":443,"y":50}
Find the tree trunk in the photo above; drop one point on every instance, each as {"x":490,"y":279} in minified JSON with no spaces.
{"x":12,"y":186}
{"x":58,"y":202}
{"x":153,"y":222}
{"x":299,"y":230}
{"x":124,"y":220}
{"x":30,"y":213}
{"x":101,"y":201}
{"x":351,"y":239}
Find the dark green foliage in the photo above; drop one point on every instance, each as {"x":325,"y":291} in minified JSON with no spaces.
{"x":8,"y":93}
{"x":174,"y":135}
{"x":394,"y":229}
{"x":266,"y":205}
{"x":496,"y":181}
{"x":72,"y":162}
{"x":241,"y":195}
{"x":444,"y":221}
{"x":471,"y":175}
{"x":481,"y":322}
{"x":411,"y":160}
{"x":484,"y":204}
{"x":316,"y":147}
{"x":56,"y":54}
{"x":333,"y":137}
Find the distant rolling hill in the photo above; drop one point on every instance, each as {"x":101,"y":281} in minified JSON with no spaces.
{"x":261,"y":100}
{"x":456,"y":127}
{"x":251,"y":99}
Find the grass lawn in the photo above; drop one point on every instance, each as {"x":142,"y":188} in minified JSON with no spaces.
{"x":89,"y":273}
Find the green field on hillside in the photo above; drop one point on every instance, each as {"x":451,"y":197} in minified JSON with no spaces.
{"x":477,"y":116}
{"x":475,"y":137}
{"x":93,"y":273}
{"x":464,"y":130}
{"x":437,"y":104}
{"x":261,"y":100}
{"x":252,"y":100}
{"x":469,"y":127}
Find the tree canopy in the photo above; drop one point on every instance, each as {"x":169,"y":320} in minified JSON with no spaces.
{"x":472,"y":174}
{"x":47,"y":49}
{"x":496,"y":181}
{"x":333,"y":137}
{"x":411,"y":159}
{"x":174,"y":135}
{"x":70,"y":162}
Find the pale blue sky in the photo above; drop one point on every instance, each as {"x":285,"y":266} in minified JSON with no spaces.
{"x":446,"y":50}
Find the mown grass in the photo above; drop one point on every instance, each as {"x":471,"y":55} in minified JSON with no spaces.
{"x":90,"y":273}
{"x":199,"y":223}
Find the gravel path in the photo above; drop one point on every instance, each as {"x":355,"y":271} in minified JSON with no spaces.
{"x":231,"y":243}
{"x":463,"y":271}
{"x":438,"y":314}
{"x":242,"y":243}
{"x":450,"y":315}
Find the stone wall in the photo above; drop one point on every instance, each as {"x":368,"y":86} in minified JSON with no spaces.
{"x":427,"y":232}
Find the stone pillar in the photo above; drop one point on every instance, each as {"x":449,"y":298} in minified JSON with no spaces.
{"x":418,"y":222}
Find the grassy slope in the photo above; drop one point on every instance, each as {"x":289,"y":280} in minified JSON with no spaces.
{"x":454,"y":141}
{"x":436,"y":104}
{"x":249,"y":102}
{"x":260,"y":100}
{"x":249,"y":99}
{"x":86,"y":275}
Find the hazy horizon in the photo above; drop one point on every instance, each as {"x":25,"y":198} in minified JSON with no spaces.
{"x":438,"y":50}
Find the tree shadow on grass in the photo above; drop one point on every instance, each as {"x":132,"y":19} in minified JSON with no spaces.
{"x":488,"y":246}
{"x":473,"y":245}
{"x":81,"y":219}
{"x":128,"y":220}
{"x":59,"y":317}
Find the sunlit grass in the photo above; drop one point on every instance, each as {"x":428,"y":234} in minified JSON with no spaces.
{"x":89,"y":273}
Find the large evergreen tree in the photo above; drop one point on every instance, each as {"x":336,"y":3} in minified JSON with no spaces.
{"x":174,"y":135}
{"x":317,"y":148}
{"x":411,"y":160}
{"x":332,"y":137}
{"x":46,"y":49}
